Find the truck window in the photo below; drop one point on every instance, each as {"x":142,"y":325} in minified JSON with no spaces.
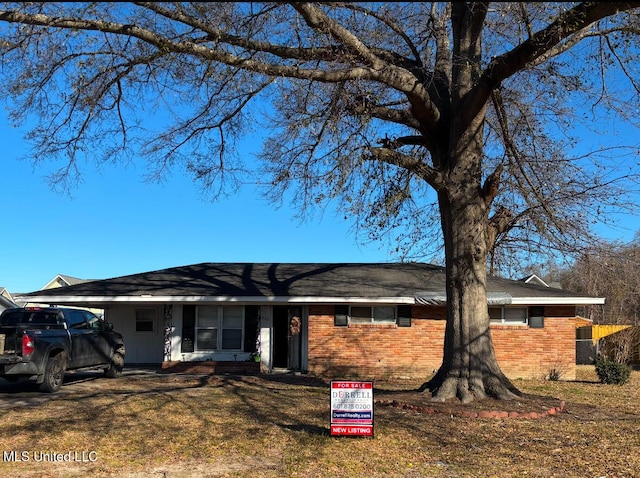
{"x":44,"y":318}
{"x":10,"y":318}
{"x":76,"y":319}
{"x":94,"y":321}
{"x":29,"y":317}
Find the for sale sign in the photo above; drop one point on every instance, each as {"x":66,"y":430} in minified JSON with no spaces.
{"x":351,"y":408}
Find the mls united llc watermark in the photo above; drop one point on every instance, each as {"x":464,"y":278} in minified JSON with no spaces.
{"x":51,"y":456}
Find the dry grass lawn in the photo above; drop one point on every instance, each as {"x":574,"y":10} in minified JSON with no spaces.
{"x":275,"y":426}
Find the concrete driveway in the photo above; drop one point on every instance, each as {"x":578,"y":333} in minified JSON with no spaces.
{"x":25,"y":393}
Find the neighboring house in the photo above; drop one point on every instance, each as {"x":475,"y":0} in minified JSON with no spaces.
{"x":6,"y":301}
{"x":534,"y":279}
{"x":61,"y":280}
{"x":351,"y":320}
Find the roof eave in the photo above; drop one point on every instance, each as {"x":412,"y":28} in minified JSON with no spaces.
{"x":557,"y":300}
{"x":147,"y":298}
{"x":52,"y":299}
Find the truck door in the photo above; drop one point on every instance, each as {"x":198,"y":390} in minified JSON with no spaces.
{"x":102,"y":344}
{"x":82,"y":343}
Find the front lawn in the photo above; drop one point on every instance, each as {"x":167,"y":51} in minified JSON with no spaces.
{"x":277,"y":426}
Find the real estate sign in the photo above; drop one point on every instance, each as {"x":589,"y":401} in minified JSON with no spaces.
{"x":351,"y":408}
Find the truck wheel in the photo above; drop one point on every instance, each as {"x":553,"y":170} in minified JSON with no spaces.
{"x":117,"y":364}
{"x":53,"y":374}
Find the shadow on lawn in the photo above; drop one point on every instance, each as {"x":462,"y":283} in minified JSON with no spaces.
{"x":310,"y":429}
{"x":295,"y":379}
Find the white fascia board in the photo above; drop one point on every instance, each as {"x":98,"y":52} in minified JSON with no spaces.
{"x":351,"y":300}
{"x":51,"y":299}
{"x":557,"y":300}
{"x":254,"y":299}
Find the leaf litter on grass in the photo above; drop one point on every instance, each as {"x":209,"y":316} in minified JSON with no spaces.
{"x":269,"y":426}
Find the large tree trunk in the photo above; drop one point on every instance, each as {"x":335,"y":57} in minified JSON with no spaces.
{"x":469,"y":369}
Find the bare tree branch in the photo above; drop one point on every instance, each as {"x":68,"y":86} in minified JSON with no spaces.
{"x":542,"y":43}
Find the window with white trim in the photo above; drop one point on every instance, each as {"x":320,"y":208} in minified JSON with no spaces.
{"x":508,"y":315}
{"x":219,"y":327}
{"x":232,"y":320}
{"x":206,"y":327}
{"x":372,"y":315}
{"x":145,"y":319}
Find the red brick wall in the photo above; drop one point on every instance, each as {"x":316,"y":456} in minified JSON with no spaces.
{"x":384,"y":351}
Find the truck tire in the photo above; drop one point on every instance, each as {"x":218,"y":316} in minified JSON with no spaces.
{"x":53,"y":373}
{"x":116,"y":366}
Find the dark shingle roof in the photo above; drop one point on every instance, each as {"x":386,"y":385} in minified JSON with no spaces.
{"x":271,"y":280}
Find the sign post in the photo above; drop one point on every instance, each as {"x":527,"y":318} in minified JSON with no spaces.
{"x":351,"y":408}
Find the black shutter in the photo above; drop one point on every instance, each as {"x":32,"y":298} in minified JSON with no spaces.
{"x":536,"y":317}
{"x":341,"y":318}
{"x":404,"y":316}
{"x":188,"y":328}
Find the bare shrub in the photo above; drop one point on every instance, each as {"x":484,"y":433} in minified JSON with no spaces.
{"x":622,"y":346}
{"x":556,"y":371}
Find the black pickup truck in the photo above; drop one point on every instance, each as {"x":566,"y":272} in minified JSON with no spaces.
{"x":41,"y":343}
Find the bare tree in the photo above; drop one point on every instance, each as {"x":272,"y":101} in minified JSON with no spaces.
{"x":611,"y":271}
{"x":457,"y":118}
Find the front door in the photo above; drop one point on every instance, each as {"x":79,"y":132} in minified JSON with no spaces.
{"x":287,"y":337}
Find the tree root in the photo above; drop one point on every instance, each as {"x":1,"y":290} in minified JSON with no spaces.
{"x":462,"y":388}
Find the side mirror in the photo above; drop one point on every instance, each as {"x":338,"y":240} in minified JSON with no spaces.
{"x":108,"y":326}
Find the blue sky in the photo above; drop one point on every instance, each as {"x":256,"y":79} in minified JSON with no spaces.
{"x":116,"y":224}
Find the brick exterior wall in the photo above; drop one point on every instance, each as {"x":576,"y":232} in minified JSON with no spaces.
{"x":387,"y":351}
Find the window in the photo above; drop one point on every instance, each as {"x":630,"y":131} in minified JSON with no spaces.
{"x":207,"y":328}
{"x":376,"y":315}
{"x":145,"y":319}
{"x":95,"y":323}
{"x":232,"y":328}
{"x":27,"y":316}
{"x":508,"y":315}
{"x":76,"y":320}
{"x":219,"y":328}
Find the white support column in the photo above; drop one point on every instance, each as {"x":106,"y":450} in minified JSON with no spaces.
{"x":176,"y":334}
{"x":266,"y":340}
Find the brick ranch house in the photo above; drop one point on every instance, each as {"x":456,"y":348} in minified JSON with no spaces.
{"x":355,"y":320}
